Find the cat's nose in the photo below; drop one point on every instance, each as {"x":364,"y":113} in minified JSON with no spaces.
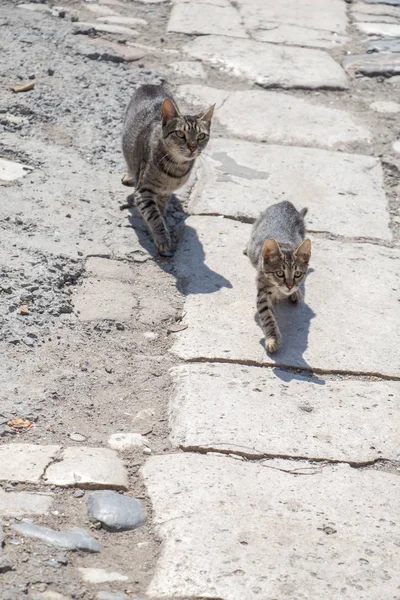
{"x":289,"y":286}
{"x":192,"y":147}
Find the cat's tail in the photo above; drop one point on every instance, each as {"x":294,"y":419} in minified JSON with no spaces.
{"x":303,"y":212}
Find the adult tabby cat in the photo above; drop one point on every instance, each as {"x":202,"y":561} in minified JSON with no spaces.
{"x":160,"y":146}
{"x":280,"y":253}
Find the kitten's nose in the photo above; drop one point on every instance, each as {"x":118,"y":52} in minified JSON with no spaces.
{"x":289,"y":287}
{"x":192,"y":147}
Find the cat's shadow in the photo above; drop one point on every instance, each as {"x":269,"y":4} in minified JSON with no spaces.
{"x":294,"y":322}
{"x":206,"y":281}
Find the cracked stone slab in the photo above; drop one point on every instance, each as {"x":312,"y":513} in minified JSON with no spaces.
{"x":273,"y":413}
{"x":372,"y":65}
{"x":88,"y":468}
{"x":192,"y":17}
{"x":276,"y":117}
{"x":385,"y":29}
{"x":296,"y":22}
{"x":351,"y":308}
{"x":330,"y":531}
{"x":343,"y":192}
{"x":25,"y":462}
{"x":10,"y":170}
{"x":18,"y":504}
{"x":276,"y":66}
{"x":108,"y":292}
{"x":375,"y":9}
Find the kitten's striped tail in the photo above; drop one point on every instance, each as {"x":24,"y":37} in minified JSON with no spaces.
{"x":303,"y":212}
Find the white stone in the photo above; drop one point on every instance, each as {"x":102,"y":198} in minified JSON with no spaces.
{"x":106,"y":28}
{"x":34,"y":7}
{"x":92,"y":575}
{"x":25,"y":462}
{"x":375,"y":9}
{"x":18,"y":504}
{"x":98,"y":10}
{"x":195,"y":18}
{"x":343,"y":192}
{"x":125,"y":441}
{"x":383,"y":106}
{"x":298,"y":36}
{"x":50,"y":595}
{"x":119,"y":20}
{"x":396,"y":146}
{"x":275,"y":66}
{"x":276,"y":117}
{"x":277,"y":413}
{"x":351,"y":309}
{"x":237,"y":530}
{"x":188,"y":69}
{"x":385,"y":29}
{"x":10,"y":170}
{"x":90,"y":468}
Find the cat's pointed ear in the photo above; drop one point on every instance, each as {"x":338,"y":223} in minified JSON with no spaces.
{"x":303,"y":252}
{"x":207,"y":116}
{"x":169,"y":110}
{"x":271,"y":251}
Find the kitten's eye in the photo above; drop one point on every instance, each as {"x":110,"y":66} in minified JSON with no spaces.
{"x":201,"y":136}
{"x":279,"y":273}
{"x":298,"y":273}
{"x":179,"y":133}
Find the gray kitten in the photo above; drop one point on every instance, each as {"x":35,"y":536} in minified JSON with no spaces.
{"x":279,"y":252}
{"x":160,"y":147}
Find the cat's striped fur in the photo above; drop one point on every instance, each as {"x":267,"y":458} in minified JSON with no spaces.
{"x":279,"y":252}
{"x":160,"y":147}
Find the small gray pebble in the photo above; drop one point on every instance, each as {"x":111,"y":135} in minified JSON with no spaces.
{"x":78,"y":494}
{"x":77,"y":437}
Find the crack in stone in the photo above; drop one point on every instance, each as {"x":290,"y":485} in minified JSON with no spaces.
{"x":311,"y":371}
{"x":258,"y":455}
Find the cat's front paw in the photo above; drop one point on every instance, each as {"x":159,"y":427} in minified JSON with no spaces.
{"x":272,"y":344}
{"x":163,"y":245}
{"x":127,"y":180}
{"x":296,"y":297}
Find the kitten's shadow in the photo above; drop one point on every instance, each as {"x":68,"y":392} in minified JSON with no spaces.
{"x":294,"y":322}
{"x":188,"y":259}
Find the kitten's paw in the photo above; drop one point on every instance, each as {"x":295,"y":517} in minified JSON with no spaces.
{"x":127,"y":180}
{"x":272,"y":344}
{"x":163,"y":245}
{"x":296,"y":297}
{"x":245,"y":251}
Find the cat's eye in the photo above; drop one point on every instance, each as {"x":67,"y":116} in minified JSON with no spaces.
{"x":279,"y":273}
{"x":201,"y":136}
{"x":298,"y":274}
{"x":179,"y":133}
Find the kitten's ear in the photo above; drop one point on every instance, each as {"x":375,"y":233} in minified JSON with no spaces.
{"x":169,"y":110}
{"x":303,"y":252}
{"x":207,"y":116}
{"x":271,"y":251}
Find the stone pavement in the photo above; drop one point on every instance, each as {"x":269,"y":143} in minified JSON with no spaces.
{"x":287,"y":486}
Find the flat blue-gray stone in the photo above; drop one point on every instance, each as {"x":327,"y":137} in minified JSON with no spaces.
{"x":76,"y":539}
{"x":392,"y":45}
{"x":115,"y":511}
{"x":388,"y":2}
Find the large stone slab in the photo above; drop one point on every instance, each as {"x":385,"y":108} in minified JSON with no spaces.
{"x":237,"y":530}
{"x":351,"y":311}
{"x":18,"y":504}
{"x":387,"y":29}
{"x":88,"y":468}
{"x":275,"y":66}
{"x":375,"y":9}
{"x":25,"y":462}
{"x":10,"y":170}
{"x":260,"y":412}
{"x":384,"y":45}
{"x":344,"y":192}
{"x":192,"y":17}
{"x":381,"y":64}
{"x":276,"y":117}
